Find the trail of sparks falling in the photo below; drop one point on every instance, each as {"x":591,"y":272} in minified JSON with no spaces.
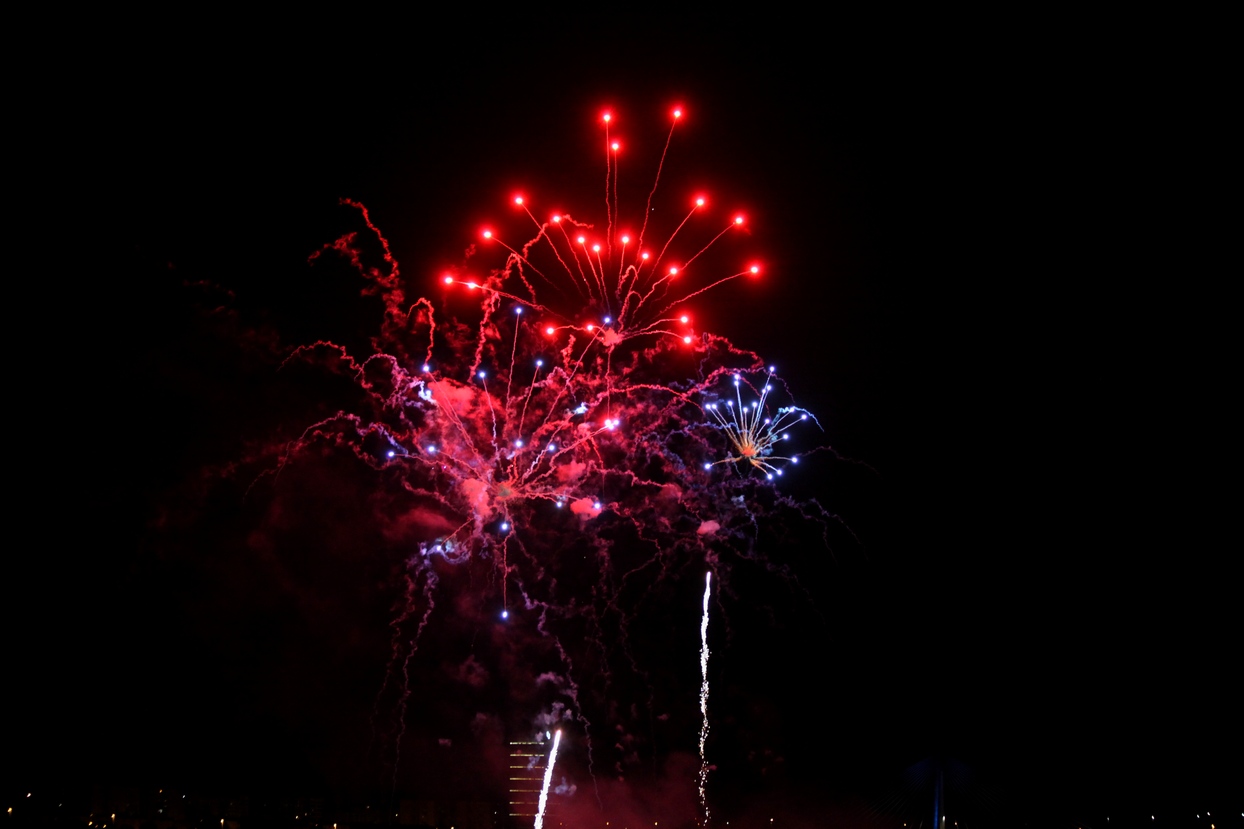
{"x":548,"y":778}
{"x":708,"y":586}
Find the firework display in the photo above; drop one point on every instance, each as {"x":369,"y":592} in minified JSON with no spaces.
{"x":555,"y":425}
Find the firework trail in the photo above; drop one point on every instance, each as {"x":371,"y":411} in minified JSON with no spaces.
{"x":429,"y":585}
{"x":557,"y":427}
{"x":708,"y":587}
{"x":548,"y":778}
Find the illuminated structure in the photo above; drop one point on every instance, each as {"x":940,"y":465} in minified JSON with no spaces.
{"x":527,"y":761}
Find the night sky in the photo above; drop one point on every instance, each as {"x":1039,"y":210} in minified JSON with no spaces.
{"x":1022,"y":583}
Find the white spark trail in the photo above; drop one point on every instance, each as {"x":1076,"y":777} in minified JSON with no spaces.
{"x":548,"y":778}
{"x":708,"y":586}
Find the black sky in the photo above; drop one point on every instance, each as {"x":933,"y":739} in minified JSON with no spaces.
{"x":1019,"y":600}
